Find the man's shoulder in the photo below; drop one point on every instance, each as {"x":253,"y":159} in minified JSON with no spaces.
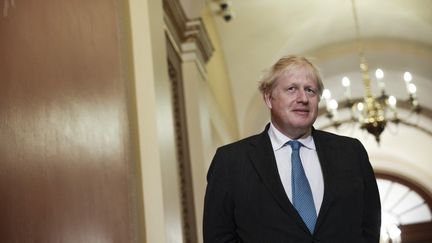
{"x":329,"y":136}
{"x":253,"y":139}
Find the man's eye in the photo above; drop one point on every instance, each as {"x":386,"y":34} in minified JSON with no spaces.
{"x":291,"y":89}
{"x":310,"y":90}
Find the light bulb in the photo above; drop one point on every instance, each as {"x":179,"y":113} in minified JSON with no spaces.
{"x":392,"y":101}
{"x":412,"y":88}
{"x":360,"y":106}
{"x":346,"y":82}
{"x":333,"y":104}
{"x":407,"y":77}
{"x":379,"y":73}
{"x":326,"y":94}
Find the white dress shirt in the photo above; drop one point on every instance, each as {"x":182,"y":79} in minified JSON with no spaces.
{"x":310,"y":162}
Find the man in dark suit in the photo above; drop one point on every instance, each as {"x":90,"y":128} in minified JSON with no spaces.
{"x":292,"y":183}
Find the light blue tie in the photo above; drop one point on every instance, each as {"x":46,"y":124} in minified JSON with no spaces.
{"x":301,"y":192}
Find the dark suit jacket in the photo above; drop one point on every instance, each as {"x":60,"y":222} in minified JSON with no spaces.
{"x":246,"y":202}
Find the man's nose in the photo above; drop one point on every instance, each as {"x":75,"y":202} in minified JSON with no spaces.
{"x":302,"y":96}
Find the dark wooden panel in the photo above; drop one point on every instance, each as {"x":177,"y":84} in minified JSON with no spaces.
{"x":64,"y":142}
{"x":417,"y":233}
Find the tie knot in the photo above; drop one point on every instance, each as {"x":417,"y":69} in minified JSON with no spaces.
{"x":295,"y":145}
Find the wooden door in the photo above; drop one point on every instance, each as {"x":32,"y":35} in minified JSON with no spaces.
{"x":66,"y":157}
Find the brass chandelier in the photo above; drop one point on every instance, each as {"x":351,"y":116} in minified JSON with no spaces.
{"x":371,"y":112}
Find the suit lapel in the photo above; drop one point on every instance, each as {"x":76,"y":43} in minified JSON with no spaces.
{"x":325,"y":149}
{"x":264,"y":162}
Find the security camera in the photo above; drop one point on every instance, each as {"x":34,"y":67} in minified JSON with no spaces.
{"x":224,"y":5}
{"x":227,"y":14}
{"x":225,"y":10}
{"x":227,"y":17}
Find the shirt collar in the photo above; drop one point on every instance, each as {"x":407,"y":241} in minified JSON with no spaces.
{"x":278,"y":139}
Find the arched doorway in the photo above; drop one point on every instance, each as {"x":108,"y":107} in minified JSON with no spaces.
{"x":406,"y":209}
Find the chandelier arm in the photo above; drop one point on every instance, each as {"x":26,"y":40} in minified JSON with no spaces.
{"x":402,"y":121}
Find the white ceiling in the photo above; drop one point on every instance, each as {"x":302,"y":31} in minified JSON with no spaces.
{"x":397,"y":36}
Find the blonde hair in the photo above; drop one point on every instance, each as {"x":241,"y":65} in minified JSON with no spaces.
{"x":288,"y":65}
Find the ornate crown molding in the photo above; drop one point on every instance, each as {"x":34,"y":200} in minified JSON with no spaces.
{"x":189,"y":36}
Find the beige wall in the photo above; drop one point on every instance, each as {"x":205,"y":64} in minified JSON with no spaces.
{"x":220,"y":91}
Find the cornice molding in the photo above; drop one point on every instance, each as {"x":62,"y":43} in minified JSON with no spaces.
{"x":187,"y":35}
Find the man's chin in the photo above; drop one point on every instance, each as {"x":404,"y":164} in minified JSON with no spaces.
{"x":303,"y":124}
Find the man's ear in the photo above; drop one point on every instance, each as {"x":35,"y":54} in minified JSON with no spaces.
{"x":267,"y":99}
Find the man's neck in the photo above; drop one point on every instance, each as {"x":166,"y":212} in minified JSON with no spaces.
{"x":293,"y":133}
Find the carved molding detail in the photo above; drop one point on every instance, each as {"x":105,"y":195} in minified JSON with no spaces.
{"x":189,"y":225}
{"x":185,"y":32}
{"x":182,"y":150}
{"x":186,"y":40}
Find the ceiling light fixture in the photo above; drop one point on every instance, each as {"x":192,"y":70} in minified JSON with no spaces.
{"x":371,"y":112}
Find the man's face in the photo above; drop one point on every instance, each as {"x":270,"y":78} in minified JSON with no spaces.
{"x":294,"y":104}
